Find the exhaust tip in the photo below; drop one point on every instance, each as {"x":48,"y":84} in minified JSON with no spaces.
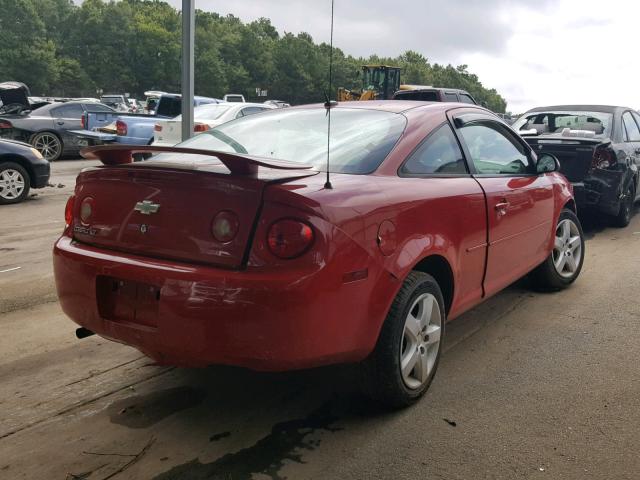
{"x":84,"y":332}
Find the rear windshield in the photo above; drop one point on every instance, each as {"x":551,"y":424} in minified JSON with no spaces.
{"x":169,"y":107}
{"x":360,"y":139}
{"x":596,"y":124}
{"x":425,"y":96}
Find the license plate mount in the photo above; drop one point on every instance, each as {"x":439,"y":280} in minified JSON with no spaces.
{"x":128,"y":301}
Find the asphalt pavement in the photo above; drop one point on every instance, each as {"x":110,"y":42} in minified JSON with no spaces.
{"x":530,"y":386}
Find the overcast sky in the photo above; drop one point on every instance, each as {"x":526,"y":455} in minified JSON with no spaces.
{"x":536,"y":52}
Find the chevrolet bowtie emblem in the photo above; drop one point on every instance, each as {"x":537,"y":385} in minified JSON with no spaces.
{"x":147,"y":207}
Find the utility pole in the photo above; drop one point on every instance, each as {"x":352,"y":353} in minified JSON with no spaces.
{"x":188,"y":31}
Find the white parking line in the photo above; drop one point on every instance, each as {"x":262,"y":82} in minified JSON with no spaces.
{"x":10,"y":269}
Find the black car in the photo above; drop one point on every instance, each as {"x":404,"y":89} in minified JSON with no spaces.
{"x":46,"y":128}
{"x":22,"y":168}
{"x":599,"y":151}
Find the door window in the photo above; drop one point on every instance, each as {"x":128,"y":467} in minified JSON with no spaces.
{"x":493,"y":151}
{"x":633,"y":133}
{"x":450,"y":97}
{"x":464,"y":98}
{"x":438,"y":154}
{"x":68,"y":111}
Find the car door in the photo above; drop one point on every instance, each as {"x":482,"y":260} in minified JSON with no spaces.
{"x":520,"y":203}
{"x":437,"y":167}
{"x":65,"y":118}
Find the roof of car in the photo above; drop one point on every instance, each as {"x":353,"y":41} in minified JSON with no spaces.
{"x":580,"y":108}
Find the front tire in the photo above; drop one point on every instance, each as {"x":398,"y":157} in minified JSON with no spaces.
{"x":564,"y":263}
{"x":14,"y":183}
{"x":404,"y":362}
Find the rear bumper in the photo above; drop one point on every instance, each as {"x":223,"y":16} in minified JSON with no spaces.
{"x":600,"y":191}
{"x":259,"y":320}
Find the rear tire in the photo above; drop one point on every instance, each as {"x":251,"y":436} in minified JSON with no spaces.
{"x":14,"y":183}
{"x":564,"y":263}
{"x":411,"y":336}
{"x":48,"y":144}
{"x":626,"y":208}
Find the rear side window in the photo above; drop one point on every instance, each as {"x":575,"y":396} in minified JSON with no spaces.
{"x":464,"y":98}
{"x":68,"y":111}
{"x":98,"y":107}
{"x":630,"y":125}
{"x":450,"y":96}
{"x":439,"y":154}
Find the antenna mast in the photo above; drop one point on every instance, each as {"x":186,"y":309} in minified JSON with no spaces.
{"x":328,"y":103}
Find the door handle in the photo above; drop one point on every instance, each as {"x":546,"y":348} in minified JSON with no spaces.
{"x":501,"y":207}
{"x":60,"y":123}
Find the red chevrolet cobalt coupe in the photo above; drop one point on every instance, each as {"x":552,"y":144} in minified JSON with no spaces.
{"x":231,"y":249}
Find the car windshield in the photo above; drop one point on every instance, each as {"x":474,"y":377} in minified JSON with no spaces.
{"x":360,"y":139}
{"x":208,"y":112}
{"x":597,"y":124}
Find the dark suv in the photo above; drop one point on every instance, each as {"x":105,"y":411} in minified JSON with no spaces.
{"x":431,"y":94}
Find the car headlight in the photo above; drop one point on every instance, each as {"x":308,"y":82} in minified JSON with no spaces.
{"x":36,"y":153}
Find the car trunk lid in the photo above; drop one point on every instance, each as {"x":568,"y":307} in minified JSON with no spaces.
{"x":166,"y":208}
{"x":574,"y":153}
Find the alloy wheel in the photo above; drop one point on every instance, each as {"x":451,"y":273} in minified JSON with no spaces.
{"x":567,"y":249}
{"x":48,"y":145}
{"x":11,"y":184}
{"x":420,"y":341}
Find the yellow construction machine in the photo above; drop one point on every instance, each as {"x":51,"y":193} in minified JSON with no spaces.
{"x":379,"y":82}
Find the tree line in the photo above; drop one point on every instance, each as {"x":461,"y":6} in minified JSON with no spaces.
{"x":59,"y":48}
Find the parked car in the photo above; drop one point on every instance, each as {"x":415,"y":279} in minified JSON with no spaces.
{"x":599,"y":151}
{"x":233,"y":97}
{"x":241,"y":254}
{"x":277,"y":103}
{"x":431,"y":94}
{"x":49,"y":128}
{"x":22,"y":168}
{"x":205,"y":117}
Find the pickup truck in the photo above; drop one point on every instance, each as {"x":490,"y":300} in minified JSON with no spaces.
{"x":137,"y":129}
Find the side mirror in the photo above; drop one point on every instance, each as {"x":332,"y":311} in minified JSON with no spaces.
{"x":547,"y":163}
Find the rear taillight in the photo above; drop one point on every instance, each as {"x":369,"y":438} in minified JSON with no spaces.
{"x":68,"y":210}
{"x":83,"y":121}
{"x":5,"y":124}
{"x":157,"y":127}
{"x":225,"y":226}
{"x":289,"y":238}
{"x":86,"y":210}
{"x":603,"y":158}
{"x":121,"y":128}
{"x":200,"y":127}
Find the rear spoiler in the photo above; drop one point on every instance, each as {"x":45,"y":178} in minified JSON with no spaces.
{"x":559,"y":140}
{"x":237,"y":163}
